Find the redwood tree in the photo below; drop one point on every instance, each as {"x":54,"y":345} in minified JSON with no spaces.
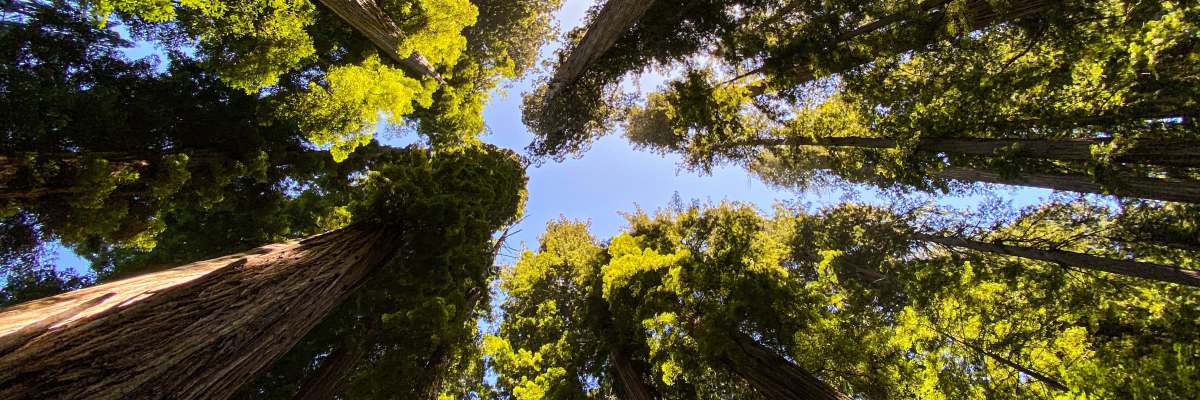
{"x":215,"y":324}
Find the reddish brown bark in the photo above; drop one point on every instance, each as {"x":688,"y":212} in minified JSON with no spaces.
{"x":630,"y":381}
{"x":199,"y":331}
{"x":774,"y":376}
{"x":368,"y":19}
{"x":613,"y":21}
{"x":1136,"y":269}
{"x":1165,"y":189}
{"x":1161,"y":152}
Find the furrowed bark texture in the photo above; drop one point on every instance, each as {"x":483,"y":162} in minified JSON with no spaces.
{"x":632,"y":384}
{"x":773,"y":376}
{"x":199,"y":331}
{"x":1162,"y":152}
{"x":1165,"y":189}
{"x":367,"y":18}
{"x":611,"y":23}
{"x":1137,"y":269}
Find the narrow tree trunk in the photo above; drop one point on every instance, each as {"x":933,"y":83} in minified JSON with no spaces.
{"x":1165,"y":189}
{"x":613,"y":21}
{"x":1161,"y":152}
{"x":198,"y":331}
{"x":1137,"y":269}
{"x":630,"y":382}
{"x":1030,"y":372}
{"x":979,"y":15}
{"x":773,"y":376}
{"x":367,"y":18}
{"x":15,"y":165}
{"x":329,"y":377}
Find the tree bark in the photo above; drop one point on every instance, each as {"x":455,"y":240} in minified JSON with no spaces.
{"x":199,"y":331}
{"x":327,"y":380}
{"x":772,"y":375}
{"x":1032,"y":373}
{"x":1165,"y":189}
{"x":367,"y":18}
{"x":630,"y":382}
{"x":1137,"y":269}
{"x":979,"y":14}
{"x":613,"y":21}
{"x":1161,"y":152}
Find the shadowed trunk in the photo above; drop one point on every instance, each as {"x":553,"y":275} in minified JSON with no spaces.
{"x":772,"y":375}
{"x":1162,"y":152}
{"x":979,"y":15}
{"x":368,"y":19}
{"x":616,"y":18}
{"x":1030,"y":372}
{"x":199,"y":331}
{"x":327,"y":380}
{"x":1136,"y":269}
{"x":1165,"y":189}
{"x":630,"y":381}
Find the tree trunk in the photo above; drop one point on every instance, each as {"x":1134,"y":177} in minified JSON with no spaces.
{"x":979,"y":15}
{"x":368,"y":19}
{"x":1030,"y":372}
{"x":1137,"y":269}
{"x":772,"y":375}
{"x":199,"y":331}
{"x":327,"y":380}
{"x":630,"y":383}
{"x":1165,"y":189}
{"x":1161,"y":152}
{"x":613,"y":21}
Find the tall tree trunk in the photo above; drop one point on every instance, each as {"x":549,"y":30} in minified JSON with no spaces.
{"x":1165,"y":189}
{"x":198,"y":331}
{"x":979,"y":15}
{"x":1137,"y":269}
{"x":1161,"y":152}
{"x":1030,"y":372}
{"x":368,"y":19}
{"x":631,"y":384}
{"x":13,"y":166}
{"x":773,"y":376}
{"x":327,"y":380}
{"x":613,"y":21}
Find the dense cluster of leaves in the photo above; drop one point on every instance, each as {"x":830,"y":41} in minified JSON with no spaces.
{"x":772,"y":86}
{"x":846,"y":293}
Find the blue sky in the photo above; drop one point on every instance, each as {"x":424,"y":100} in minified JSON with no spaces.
{"x":612,"y":177}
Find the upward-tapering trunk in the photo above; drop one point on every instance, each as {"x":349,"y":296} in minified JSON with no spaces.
{"x":198,"y":331}
{"x":1165,"y":189}
{"x":368,"y":19}
{"x":325,"y":383}
{"x":630,"y":381}
{"x":979,"y":14}
{"x":613,"y":21}
{"x":774,"y":376}
{"x":1122,"y":185}
{"x":1028,"y":371}
{"x":1137,"y":269}
{"x":1162,"y":152}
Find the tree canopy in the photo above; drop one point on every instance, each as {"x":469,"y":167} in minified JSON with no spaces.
{"x":852,"y":295}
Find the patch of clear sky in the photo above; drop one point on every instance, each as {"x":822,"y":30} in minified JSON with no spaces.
{"x":612,"y":177}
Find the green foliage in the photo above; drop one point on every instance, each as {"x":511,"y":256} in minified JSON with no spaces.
{"x":415,"y":317}
{"x":249,"y":43}
{"x":343,"y":113}
{"x":848,"y":293}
